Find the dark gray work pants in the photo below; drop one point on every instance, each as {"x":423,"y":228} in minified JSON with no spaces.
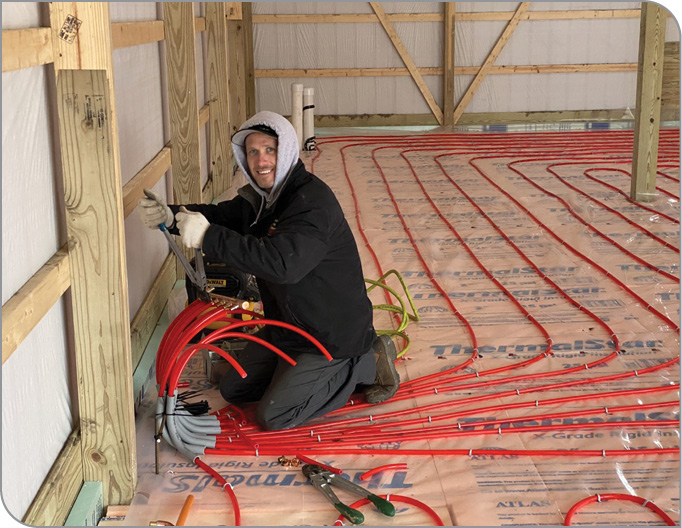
{"x":289,"y":395}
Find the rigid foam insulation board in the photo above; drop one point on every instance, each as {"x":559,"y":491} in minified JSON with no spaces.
{"x":87,"y":510}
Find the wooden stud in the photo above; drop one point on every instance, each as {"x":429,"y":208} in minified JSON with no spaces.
{"x":346,"y":18}
{"x":580,"y":14}
{"x":343,"y":72}
{"x":585,"y":14}
{"x":409,"y":63}
{"x":24,"y":310}
{"x":182,"y":97}
{"x":182,"y":101}
{"x":99,"y":285}
{"x":489,"y":61}
{"x":23,"y":48}
{"x":53,"y":502}
{"x":448,"y":63}
{"x":78,"y":46}
{"x":457,"y":70}
{"x":554,"y":68}
{"x":236,"y":73}
{"x":220,"y":168}
{"x":648,"y":102}
{"x":83,"y":61}
{"x":249,"y":79}
{"x":234,"y":10}
{"x":126,"y":34}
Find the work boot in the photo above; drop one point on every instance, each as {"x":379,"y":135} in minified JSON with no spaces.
{"x":387,"y":378}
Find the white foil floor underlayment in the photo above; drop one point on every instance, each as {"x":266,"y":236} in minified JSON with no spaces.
{"x":551,"y":300}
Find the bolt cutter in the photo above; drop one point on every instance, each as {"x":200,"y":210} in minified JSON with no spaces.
{"x":322,"y":479}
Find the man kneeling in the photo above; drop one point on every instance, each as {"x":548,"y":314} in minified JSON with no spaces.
{"x":287,"y":229}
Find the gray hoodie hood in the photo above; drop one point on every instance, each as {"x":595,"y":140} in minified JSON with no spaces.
{"x":287,"y":153}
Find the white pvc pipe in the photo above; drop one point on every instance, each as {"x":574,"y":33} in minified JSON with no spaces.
{"x":297,"y":111}
{"x":308,"y":119}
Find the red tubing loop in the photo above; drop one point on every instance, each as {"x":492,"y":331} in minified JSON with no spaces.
{"x":173,"y":357}
{"x":573,"y":250}
{"x":428,"y":271}
{"x":590,"y":149}
{"x":169,"y":375}
{"x":437,"y":138}
{"x":550,"y":169}
{"x":477,"y":374}
{"x":382,"y":139}
{"x":353,"y":192}
{"x":511,"y":166}
{"x":351,"y":183}
{"x":619,"y":497}
{"x":507,"y":239}
{"x":636,"y":374}
{"x":226,"y":486}
{"x":588,"y":173}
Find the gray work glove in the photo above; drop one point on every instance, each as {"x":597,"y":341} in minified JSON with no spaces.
{"x":192,"y":226}
{"x":154,"y":211}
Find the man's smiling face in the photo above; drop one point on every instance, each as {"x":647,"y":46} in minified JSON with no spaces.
{"x":261,"y":156}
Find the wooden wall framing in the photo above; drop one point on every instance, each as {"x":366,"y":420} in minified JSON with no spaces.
{"x":110,"y":459}
{"x":450,"y":17}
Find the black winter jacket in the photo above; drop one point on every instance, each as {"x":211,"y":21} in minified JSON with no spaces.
{"x":305,"y":259}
